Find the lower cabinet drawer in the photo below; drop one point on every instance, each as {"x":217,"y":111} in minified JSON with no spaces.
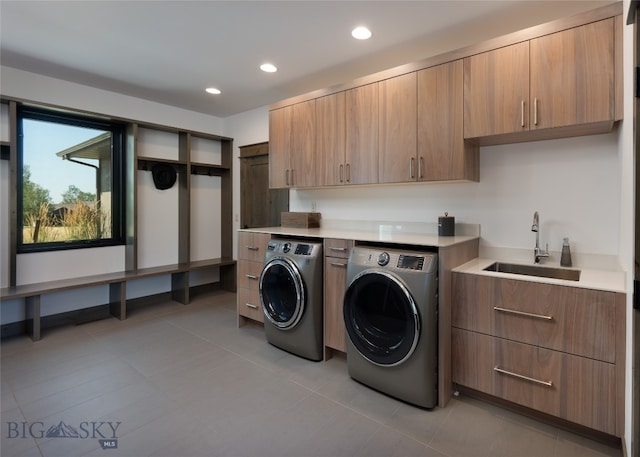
{"x":249,"y":304}
{"x":574,"y":388}
{"x":249,"y":274}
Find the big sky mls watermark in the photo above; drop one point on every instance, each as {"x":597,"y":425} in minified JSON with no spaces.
{"x":106,"y":432}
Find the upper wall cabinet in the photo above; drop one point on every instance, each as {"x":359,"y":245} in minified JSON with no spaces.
{"x":330,"y":160}
{"x":347,"y":137}
{"x":442,"y":152}
{"x":292,"y":145}
{"x":398,"y":129}
{"x":563,"y":81}
{"x":362,"y":111}
{"x":425,"y":121}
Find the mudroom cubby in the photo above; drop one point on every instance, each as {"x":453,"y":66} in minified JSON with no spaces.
{"x":178,"y":233}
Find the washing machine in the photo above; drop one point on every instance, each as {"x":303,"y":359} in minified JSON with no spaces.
{"x":390,"y":315}
{"x":291,"y":296}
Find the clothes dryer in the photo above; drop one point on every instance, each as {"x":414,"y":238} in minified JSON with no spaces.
{"x":390,"y":315}
{"x":291,"y":297}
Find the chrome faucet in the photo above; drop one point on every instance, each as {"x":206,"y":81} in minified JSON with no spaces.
{"x":537,"y":252}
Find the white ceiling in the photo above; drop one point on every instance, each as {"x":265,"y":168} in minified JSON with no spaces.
{"x":170,"y":51}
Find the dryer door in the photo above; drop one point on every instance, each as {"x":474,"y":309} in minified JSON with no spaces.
{"x":282,"y":293}
{"x":381,"y":318}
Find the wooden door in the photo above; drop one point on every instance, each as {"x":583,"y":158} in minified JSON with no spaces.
{"x":398,"y":129}
{"x":496,"y":91}
{"x":279,"y":146}
{"x":259,"y":205}
{"x":330,"y":140}
{"x":572,"y":76}
{"x":362,"y":135}
{"x":442,"y":152}
{"x":303,"y":144}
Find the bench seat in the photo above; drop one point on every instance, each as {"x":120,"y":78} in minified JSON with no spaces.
{"x":116,"y":281}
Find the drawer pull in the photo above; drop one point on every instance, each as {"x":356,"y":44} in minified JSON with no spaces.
{"x":337,"y":264}
{"x":522,"y":313}
{"x":251,"y":276}
{"x":252,"y":248}
{"x":251,"y":305}
{"x":526,"y":378}
{"x":338,"y":249}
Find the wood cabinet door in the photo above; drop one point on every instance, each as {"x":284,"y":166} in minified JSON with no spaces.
{"x":572,"y":76}
{"x":398,"y":129}
{"x":330,"y":162}
{"x":335,"y":276}
{"x":496,"y":91}
{"x":442,"y":152}
{"x":279,"y":146}
{"x":303,"y":144}
{"x":362,"y":135}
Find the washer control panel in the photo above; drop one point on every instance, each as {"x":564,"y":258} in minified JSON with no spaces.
{"x":292,"y":247}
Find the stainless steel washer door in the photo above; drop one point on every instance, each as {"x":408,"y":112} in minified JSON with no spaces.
{"x":381,"y":318}
{"x":282,"y":293}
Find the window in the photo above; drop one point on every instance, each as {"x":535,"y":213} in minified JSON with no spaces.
{"x":70,"y":180}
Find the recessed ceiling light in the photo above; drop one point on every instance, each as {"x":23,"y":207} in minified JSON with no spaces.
{"x":269,"y":68}
{"x":361,"y":33}
{"x":212,"y":90}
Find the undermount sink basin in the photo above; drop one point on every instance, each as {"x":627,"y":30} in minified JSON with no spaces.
{"x":535,"y":270}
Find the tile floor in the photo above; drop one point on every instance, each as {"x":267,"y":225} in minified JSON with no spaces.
{"x":184,"y":381}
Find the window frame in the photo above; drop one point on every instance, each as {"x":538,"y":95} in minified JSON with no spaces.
{"x":118,"y":179}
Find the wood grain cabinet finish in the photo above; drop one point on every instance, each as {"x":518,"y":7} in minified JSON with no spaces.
{"x":331,"y":163}
{"x":496,"y":91}
{"x":563,"y":81}
{"x":442,"y":152}
{"x":251,"y":250}
{"x":336,"y":254}
{"x":556,"y":349}
{"x":362,"y":110}
{"x":572,"y":76}
{"x":398,"y":129}
{"x":292,"y":145}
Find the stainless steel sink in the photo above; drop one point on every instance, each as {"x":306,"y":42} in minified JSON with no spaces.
{"x":535,"y":270}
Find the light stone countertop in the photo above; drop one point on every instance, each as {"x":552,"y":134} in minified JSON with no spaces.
{"x":590,"y":278}
{"x":418,"y":234}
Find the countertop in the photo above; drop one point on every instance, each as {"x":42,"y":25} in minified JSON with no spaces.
{"x":590,"y":278}
{"x":400,"y":233}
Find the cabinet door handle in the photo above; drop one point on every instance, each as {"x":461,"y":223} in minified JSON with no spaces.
{"x":420,"y":165}
{"x":337,"y":264}
{"x":340,"y":172}
{"x":251,"y":276}
{"x":286,"y":174}
{"x":522,"y":113}
{"x":348,"y":172}
{"x":252,"y":248}
{"x":292,"y":170}
{"x":521,"y":376}
{"x":522,"y":313}
{"x":251,"y":305}
{"x":411,"y":175}
{"x":535,"y":111}
{"x":338,"y":249}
